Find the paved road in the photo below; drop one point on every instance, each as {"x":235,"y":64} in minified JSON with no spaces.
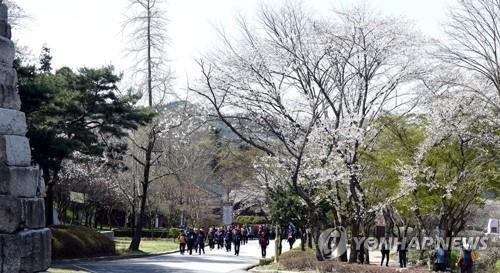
{"x":215,"y":261}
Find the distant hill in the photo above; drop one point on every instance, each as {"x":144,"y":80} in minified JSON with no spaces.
{"x":225,"y":132}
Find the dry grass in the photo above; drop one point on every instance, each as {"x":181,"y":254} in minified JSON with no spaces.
{"x":306,"y":261}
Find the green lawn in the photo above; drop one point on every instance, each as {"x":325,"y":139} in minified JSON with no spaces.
{"x":148,"y":246}
{"x":498,"y":266}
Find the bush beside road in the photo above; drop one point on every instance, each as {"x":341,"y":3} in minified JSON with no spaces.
{"x":70,"y":242}
{"x":305,"y":261}
{"x":79,"y":242}
{"x":172,"y":233}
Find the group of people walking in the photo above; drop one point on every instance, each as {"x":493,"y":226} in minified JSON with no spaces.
{"x":465,"y":261}
{"x":226,"y":237}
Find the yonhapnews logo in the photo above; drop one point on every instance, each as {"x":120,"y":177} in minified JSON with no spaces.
{"x":332,"y":243}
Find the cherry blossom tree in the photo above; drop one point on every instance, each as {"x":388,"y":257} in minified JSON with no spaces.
{"x":91,"y":176}
{"x":306,"y":91}
{"x":455,"y":163}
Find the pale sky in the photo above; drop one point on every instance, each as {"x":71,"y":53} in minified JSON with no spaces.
{"x":89,"y":32}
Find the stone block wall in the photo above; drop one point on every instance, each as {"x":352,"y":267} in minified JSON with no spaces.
{"x":25,"y":243}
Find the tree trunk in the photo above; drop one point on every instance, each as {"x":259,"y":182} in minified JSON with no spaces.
{"x":136,"y":238}
{"x":49,"y":204}
{"x":309,"y":238}
{"x":150,"y":77}
{"x":315,"y":234}
{"x":108,"y":215}
{"x":303,"y":239}
{"x":361,"y":253}
{"x":96,"y":222}
{"x":64,"y":215}
{"x":277,"y":244}
{"x":354,"y":234}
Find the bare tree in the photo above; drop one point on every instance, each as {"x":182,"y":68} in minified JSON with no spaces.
{"x":17,"y":15}
{"x":146,"y":26}
{"x":18,"y":19}
{"x":473,"y":45}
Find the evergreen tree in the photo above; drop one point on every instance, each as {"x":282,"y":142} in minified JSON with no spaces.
{"x":45,"y":60}
{"x":70,"y":112}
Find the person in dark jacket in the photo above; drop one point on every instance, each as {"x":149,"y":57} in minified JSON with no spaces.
{"x":244,"y":235}
{"x":263,"y":240}
{"x":237,"y":242}
{"x":201,"y":241}
{"x":402,"y":250}
{"x":228,"y":238}
{"x":195,"y":245}
{"x":439,"y":256}
{"x":291,"y":236}
{"x":211,"y":239}
{"x":467,"y":259}
{"x":219,"y":235}
{"x":251,"y":232}
{"x":385,"y":249}
{"x":191,"y":240}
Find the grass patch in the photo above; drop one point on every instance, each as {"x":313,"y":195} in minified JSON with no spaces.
{"x":272,"y":266}
{"x":148,"y":246}
{"x":498,"y":266}
{"x":70,"y":242}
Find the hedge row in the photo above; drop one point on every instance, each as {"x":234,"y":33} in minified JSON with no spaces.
{"x":250,"y":220}
{"x":155,"y":233}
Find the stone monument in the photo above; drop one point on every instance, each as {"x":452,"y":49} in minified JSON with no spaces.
{"x":227,"y":214}
{"x":25,"y":243}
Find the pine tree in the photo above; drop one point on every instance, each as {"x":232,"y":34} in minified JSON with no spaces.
{"x":45,"y":60}
{"x":70,"y":112}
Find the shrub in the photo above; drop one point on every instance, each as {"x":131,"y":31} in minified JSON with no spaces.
{"x":488,"y":260}
{"x":266,"y":261}
{"x":298,"y":260}
{"x":250,"y":220}
{"x":79,"y":242}
{"x":453,"y":258}
{"x":174,"y":232}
